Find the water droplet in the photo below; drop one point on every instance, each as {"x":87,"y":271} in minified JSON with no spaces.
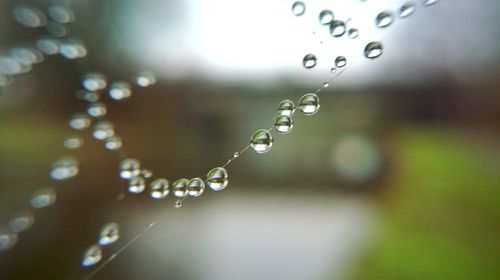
{"x":103,"y":130}
{"x":10,"y":66}
{"x":326,"y":84}
{"x":120,"y":90}
{"x":217,"y":179}
{"x":261,"y":141}
{"x":325,"y":17}
{"x":97,"y":109}
{"x":48,"y":46}
{"x":64,"y":168}
{"x":286,"y":108}
{"x":179,"y":187}
{"x":146,"y":173}
{"x":428,"y":3}
{"x":73,"y":142}
{"x":407,"y":10}
{"x":92,"y":255}
{"x":43,"y":198}
{"x":113,"y":143}
{"x":73,"y":49}
{"x":61,"y":14}
{"x":178,"y":203}
{"x":340,"y":61}
{"x":79,"y":121}
{"x":89,"y":96}
{"x":94,"y":82}
{"x":57,"y":30}
{"x":309,"y":104}
{"x":159,"y":188}
{"x":29,"y":16}
{"x":337,"y":28}
{"x":195,"y":187}
{"x":136,"y":184}
{"x":353,"y":33}
{"x":236,"y":154}
{"x":129,"y":168}
{"x":7,"y":240}
{"x":21,"y":222}
{"x":373,"y":50}
{"x":110,"y":233}
{"x":384,"y":19}
{"x":145,"y":79}
{"x":283,"y":124}
{"x":298,"y":8}
{"x":309,"y":61}
{"x":26,"y":56}
{"x":333,"y":69}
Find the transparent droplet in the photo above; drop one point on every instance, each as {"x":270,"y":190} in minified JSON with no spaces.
{"x":97,"y":109}
{"x":309,"y":104}
{"x":178,"y":203}
{"x":298,"y":8}
{"x":340,"y":61}
{"x":146,"y":173}
{"x":7,"y":240}
{"x":373,"y":50}
{"x":283,"y":124}
{"x":261,"y":141}
{"x":109,"y":234}
{"x":333,"y":69}
{"x":428,"y":3}
{"x":94,"y":82}
{"x":217,"y":179}
{"x":92,"y":255}
{"x":236,"y":154}
{"x":43,"y":198}
{"x":337,"y":28}
{"x":79,"y":121}
{"x":73,"y":49}
{"x":29,"y":16}
{"x":309,"y":61}
{"x":195,"y":187}
{"x":145,"y":79}
{"x":325,"y":17}
{"x":384,"y":19}
{"x":89,"y":96}
{"x":57,"y":30}
{"x":26,"y":56}
{"x":407,"y":9}
{"x":21,"y":222}
{"x":286,"y":107}
{"x":113,"y":143}
{"x":64,"y":168}
{"x":61,"y":14}
{"x":326,"y":84}
{"x":136,"y":184}
{"x":48,"y":46}
{"x":73,"y":142}
{"x":179,"y":187}
{"x":353,"y":33}
{"x":120,"y":90}
{"x":129,"y":168}
{"x":159,"y":188}
{"x":103,"y":130}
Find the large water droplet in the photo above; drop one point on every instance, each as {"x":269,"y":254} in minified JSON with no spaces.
{"x":79,"y":121}
{"x":340,"y":61}
{"x":217,"y":179}
{"x":384,"y":19}
{"x":92,"y":255}
{"x":309,"y":61}
{"x":73,"y":142}
{"x":179,"y":187}
{"x":159,"y":188}
{"x":337,"y":28}
{"x":136,"y":184}
{"x":43,"y":198}
{"x":129,"y":168}
{"x":94,"y":81}
{"x":428,"y":3}
{"x":113,"y":143}
{"x":286,"y":108}
{"x":29,"y":16}
{"x":110,"y":233}
{"x":7,"y":240}
{"x":195,"y":187}
{"x":283,"y":124}
{"x":407,"y":9}
{"x":298,"y":8}
{"x":309,"y":104}
{"x":373,"y":50}
{"x":353,"y":33}
{"x":145,"y":79}
{"x":21,"y":222}
{"x":120,"y":90}
{"x":64,"y":168}
{"x":103,"y":130}
{"x":325,"y":17}
{"x":261,"y":141}
{"x":61,"y":14}
{"x":97,"y":109}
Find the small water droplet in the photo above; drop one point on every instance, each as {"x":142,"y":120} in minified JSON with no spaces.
{"x":428,"y":3}
{"x":48,"y":46}
{"x":353,"y":33}
{"x":178,"y":203}
{"x":90,"y":96}
{"x":97,"y":109}
{"x":29,"y":16}
{"x":337,"y":28}
{"x":325,"y":17}
{"x":26,"y":56}
{"x":94,"y":82}
{"x":326,"y":84}
{"x":159,"y":188}
{"x":309,"y":61}
{"x":103,"y":130}
{"x":340,"y":61}
{"x":179,"y":187}
{"x":61,"y":14}
{"x":298,"y":8}
{"x":236,"y":154}
{"x":286,"y":107}
{"x":217,"y":179}
{"x":7,"y":240}
{"x":407,"y":10}
{"x":73,"y":142}
{"x":43,"y":198}
{"x":261,"y":141}
{"x":283,"y":124}
{"x":64,"y":168}
{"x":113,"y":143}
{"x":79,"y":121}
{"x":120,"y":90}
{"x":145,"y":79}
{"x":92,"y":255}
{"x":21,"y":222}
{"x":384,"y":19}
{"x":333,"y":69}
{"x":129,"y":168}
{"x":309,"y":104}
{"x":57,"y":30}
{"x":73,"y":49}
{"x":146,"y":173}
{"x":136,"y":184}
{"x":109,"y":234}
{"x":195,"y":187}
{"x":373,"y":50}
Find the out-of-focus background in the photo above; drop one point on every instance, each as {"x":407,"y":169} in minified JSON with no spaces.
{"x":396,"y":177}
